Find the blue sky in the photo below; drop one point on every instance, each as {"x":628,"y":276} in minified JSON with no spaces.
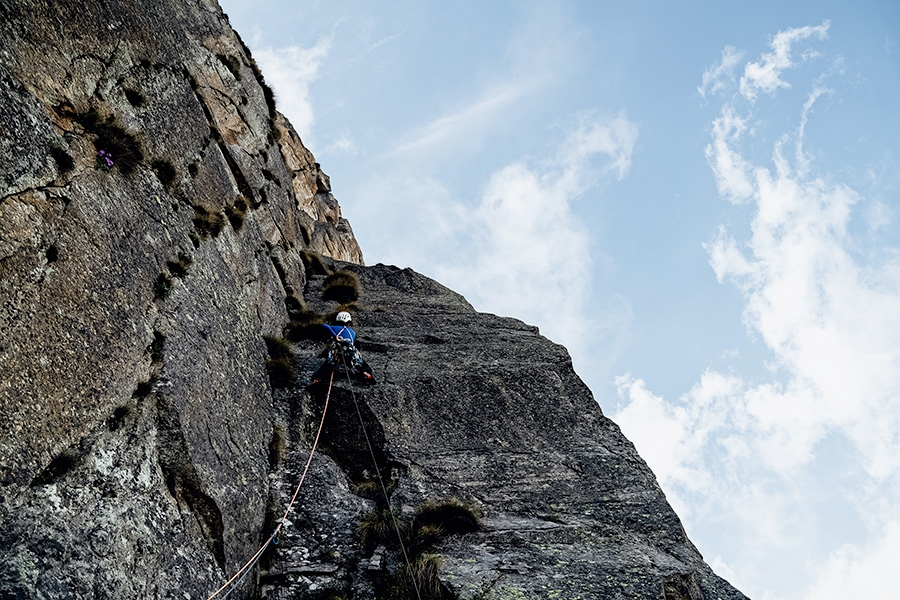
{"x":700,"y":201}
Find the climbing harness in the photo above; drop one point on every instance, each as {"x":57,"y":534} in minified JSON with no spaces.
{"x":339,"y":352}
{"x":242,"y":573}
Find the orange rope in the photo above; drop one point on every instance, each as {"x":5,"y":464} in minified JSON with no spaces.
{"x":259,"y":552}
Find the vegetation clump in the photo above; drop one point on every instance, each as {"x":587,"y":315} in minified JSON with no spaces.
{"x":118,"y":417}
{"x":280,"y":364}
{"x":179,"y":267}
{"x":452,"y":515}
{"x":236,"y":213}
{"x":419,"y":576}
{"x":155,"y":349}
{"x":119,"y":145}
{"x":232,"y":64}
{"x":277,"y":447}
{"x":135,"y":98}
{"x":421,"y":579}
{"x":58,"y":467}
{"x":206,"y":223}
{"x":377,"y":528}
{"x":341,"y":287}
{"x":165,"y":172}
{"x":144,"y":388}
{"x":162,"y":287}
{"x":371,"y":489}
{"x":314,"y":264}
{"x":305,"y":324}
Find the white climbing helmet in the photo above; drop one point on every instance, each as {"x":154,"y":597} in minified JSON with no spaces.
{"x":343,"y":317}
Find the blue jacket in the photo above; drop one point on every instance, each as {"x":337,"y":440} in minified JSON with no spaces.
{"x":341,"y":332}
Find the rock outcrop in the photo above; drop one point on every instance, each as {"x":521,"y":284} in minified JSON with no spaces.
{"x":481,"y":411}
{"x":161,"y":228}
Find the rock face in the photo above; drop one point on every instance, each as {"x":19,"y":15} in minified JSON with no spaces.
{"x":149,"y":435}
{"x":135,"y":408}
{"x":483,"y":410}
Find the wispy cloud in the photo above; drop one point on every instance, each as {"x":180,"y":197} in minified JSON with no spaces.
{"x":717,"y":77}
{"x":765,"y":74}
{"x":342,"y":145}
{"x":753,"y":451}
{"x":290,"y":71}
{"x":464,"y":123}
{"x":732,"y":173}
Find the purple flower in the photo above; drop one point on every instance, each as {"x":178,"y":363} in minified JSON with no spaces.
{"x":104,"y":159}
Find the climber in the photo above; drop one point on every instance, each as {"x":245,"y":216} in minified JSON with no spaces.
{"x":343,"y":351}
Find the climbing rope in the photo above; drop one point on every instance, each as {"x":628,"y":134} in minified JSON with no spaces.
{"x":387,"y":498}
{"x":245,"y":570}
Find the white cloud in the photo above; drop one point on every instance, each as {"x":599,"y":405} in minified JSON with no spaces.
{"x":290,"y":71}
{"x":518,"y":248}
{"x":613,"y":138}
{"x":716,"y":78}
{"x":765,"y":75}
{"x":342,"y":145}
{"x":529,"y":255}
{"x":733,"y":176}
{"x":752,"y":452}
{"x":867,"y":572}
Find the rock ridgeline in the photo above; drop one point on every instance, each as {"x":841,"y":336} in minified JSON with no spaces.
{"x":162,"y":230}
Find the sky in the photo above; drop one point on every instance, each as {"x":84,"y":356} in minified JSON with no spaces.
{"x":700,"y":200}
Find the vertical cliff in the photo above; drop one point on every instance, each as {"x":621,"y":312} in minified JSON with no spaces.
{"x":134,"y":399}
{"x":162,"y":228}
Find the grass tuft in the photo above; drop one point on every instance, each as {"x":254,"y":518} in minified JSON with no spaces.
{"x":232,"y":64}
{"x":280,"y":364}
{"x":207,"y":224}
{"x":295,"y":306}
{"x":452,"y":515}
{"x":144,"y":388}
{"x":155,"y":349}
{"x":341,"y":287}
{"x":162,"y":287}
{"x":58,"y":467}
{"x":269,"y":95}
{"x":236,"y":213}
{"x":135,"y":98}
{"x":377,"y":528}
{"x":277,"y":447}
{"x":165,"y":172}
{"x":314,"y":264}
{"x":278,"y":347}
{"x":179,"y":267}
{"x":421,"y":578}
{"x":122,"y":145}
{"x":119,"y":416}
{"x":425,"y":537}
{"x":307,"y":326}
